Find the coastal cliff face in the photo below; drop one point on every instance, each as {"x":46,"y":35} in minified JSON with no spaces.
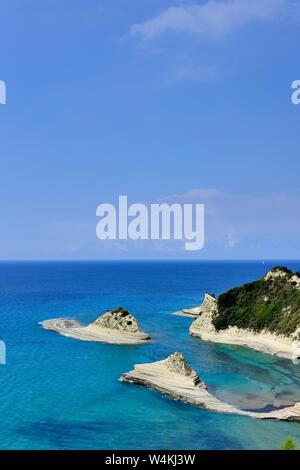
{"x":209,"y":309}
{"x":208,"y":303}
{"x":256,"y":313}
{"x":271,"y":303}
{"x":118,"y":319}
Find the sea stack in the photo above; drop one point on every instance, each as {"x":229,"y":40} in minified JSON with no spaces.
{"x":114,"y":326}
{"x":207,"y":304}
{"x":263,"y":315}
{"x":174,"y":377}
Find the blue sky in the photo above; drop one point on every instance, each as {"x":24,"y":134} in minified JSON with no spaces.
{"x":156,"y":99}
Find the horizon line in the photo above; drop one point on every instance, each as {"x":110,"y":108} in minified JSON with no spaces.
{"x":93,"y":260}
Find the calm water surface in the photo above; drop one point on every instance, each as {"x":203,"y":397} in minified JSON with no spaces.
{"x":60,"y":393}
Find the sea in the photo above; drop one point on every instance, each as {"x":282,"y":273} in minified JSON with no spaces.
{"x":62,"y":393}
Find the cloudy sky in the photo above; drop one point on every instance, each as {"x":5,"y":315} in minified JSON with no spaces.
{"x":160,"y":100}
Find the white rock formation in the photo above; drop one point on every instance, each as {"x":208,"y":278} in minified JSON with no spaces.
{"x":115,"y":326}
{"x":118,"y":319}
{"x":174,"y":377}
{"x":295,"y":280}
{"x":208,"y":303}
{"x":275,"y":273}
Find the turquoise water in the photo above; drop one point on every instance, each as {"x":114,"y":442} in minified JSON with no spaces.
{"x":60,"y":393}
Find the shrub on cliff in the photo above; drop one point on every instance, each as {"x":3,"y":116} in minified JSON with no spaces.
{"x":271,"y":303}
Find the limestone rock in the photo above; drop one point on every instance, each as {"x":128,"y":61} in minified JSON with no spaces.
{"x":114,"y":326}
{"x":277,"y":272}
{"x":174,"y":377}
{"x":177,"y":363}
{"x":209,"y":304}
{"x":203,"y":323}
{"x":118,"y":319}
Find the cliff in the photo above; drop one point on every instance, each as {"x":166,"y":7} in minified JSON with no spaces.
{"x":264,"y":315}
{"x":207,"y":304}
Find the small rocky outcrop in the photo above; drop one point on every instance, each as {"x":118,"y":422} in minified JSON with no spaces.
{"x":277,"y":272}
{"x":177,"y":363}
{"x":280,"y":272}
{"x":173,"y":372}
{"x":204,"y":321}
{"x":118,"y":319}
{"x":208,"y":304}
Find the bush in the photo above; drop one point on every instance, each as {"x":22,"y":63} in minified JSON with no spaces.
{"x":272,"y":305}
{"x":289,"y":444}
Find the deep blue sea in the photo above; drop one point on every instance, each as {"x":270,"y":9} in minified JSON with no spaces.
{"x":61,"y":393}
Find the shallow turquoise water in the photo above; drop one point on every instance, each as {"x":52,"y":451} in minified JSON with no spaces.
{"x":60,"y":393}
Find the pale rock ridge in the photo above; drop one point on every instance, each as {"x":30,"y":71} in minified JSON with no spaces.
{"x":177,"y":363}
{"x":280,"y":272}
{"x":182,"y":383}
{"x":118,"y":319}
{"x":295,"y":280}
{"x":203,"y":323}
{"x":169,"y":375}
{"x":114,"y":326}
{"x":209,"y":304}
{"x":276,"y":273}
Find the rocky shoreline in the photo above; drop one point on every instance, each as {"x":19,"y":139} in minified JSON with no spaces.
{"x":194,"y":312}
{"x":265,"y":341}
{"x":269,"y":343}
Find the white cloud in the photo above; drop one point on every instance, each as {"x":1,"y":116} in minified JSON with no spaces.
{"x":231,"y":240}
{"x":213,"y":19}
{"x":191,"y":72}
{"x":236,"y":221}
{"x":199,"y":194}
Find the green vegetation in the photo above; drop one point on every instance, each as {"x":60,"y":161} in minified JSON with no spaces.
{"x":121,"y":310}
{"x":271,"y":303}
{"x":289,"y":444}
